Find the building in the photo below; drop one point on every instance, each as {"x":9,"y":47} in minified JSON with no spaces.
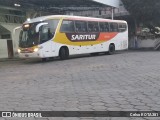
{"x":14,"y":13}
{"x":115,"y":10}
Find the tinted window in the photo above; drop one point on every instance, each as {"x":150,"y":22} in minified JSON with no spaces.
{"x":52,"y":25}
{"x":47,"y":32}
{"x":67,"y":26}
{"x":80,"y":26}
{"x":28,"y":36}
{"x":113,"y":27}
{"x":93,"y":27}
{"x":122,"y":27}
{"x":104,"y":27}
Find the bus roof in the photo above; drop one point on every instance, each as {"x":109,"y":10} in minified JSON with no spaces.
{"x":69,"y":17}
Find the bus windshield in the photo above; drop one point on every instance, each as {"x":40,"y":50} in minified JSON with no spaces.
{"x":29,"y":37}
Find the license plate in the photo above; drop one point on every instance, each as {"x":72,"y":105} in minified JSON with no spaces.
{"x":26,"y":55}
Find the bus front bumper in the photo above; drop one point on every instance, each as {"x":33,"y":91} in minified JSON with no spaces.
{"x":29,"y":55}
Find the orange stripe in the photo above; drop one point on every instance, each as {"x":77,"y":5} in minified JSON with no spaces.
{"x":107,"y":36}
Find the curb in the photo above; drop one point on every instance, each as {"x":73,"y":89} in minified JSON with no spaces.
{"x":9,"y":59}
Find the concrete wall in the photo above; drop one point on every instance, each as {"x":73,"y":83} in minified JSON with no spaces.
{"x":14,"y":36}
{"x":3,"y":48}
{"x":148,"y":43}
{"x":143,"y":43}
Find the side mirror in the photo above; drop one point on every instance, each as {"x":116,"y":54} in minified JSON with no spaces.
{"x":39,"y":25}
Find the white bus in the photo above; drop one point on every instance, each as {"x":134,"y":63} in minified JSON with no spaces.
{"x":63,"y":35}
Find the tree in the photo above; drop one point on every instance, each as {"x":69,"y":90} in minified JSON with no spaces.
{"x":144,"y":11}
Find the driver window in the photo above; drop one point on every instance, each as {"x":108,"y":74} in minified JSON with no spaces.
{"x":45,"y":34}
{"x":52,"y":26}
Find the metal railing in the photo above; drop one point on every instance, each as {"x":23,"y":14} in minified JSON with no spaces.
{"x":157,"y":44}
{"x":10,"y":18}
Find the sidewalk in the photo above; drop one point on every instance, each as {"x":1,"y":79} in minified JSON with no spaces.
{"x":9,"y":59}
{"x":129,"y":50}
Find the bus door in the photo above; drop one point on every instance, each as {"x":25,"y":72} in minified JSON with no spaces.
{"x":45,"y":41}
{"x":47,"y":33}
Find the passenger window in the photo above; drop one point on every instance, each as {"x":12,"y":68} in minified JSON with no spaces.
{"x":104,"y":27}
{"x":67,"y":26}
{"x":122,"y":27}
{"x":113,"y":27}
{"x":93,"y":27}
{"x":80,"y":26}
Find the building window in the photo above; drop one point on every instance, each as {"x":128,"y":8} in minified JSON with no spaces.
{"x":6,"y":36}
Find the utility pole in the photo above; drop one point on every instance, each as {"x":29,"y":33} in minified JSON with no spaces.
{"x":112,"y":13}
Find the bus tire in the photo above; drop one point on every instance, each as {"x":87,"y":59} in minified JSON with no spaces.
{"x":111,"y":50}
{"x":64,"y":53}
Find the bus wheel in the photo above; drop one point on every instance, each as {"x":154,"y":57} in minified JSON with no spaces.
{"x":111,"y":49}
{"x":64,"y":53}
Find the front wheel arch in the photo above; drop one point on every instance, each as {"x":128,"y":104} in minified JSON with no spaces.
{"x":64,"y":52}
{"x":111,"y":49}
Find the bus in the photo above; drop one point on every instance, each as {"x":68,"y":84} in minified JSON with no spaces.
{"x":63,"y":35}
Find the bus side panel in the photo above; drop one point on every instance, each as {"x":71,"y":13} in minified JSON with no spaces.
{"x":47,"y":49}
{"x":121,"y":41}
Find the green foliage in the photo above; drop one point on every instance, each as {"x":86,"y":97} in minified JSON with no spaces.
{"x":144,"y":11}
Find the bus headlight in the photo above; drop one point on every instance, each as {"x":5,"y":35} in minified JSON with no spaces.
{"x":19,"y":50}
{"x":35,"y":49}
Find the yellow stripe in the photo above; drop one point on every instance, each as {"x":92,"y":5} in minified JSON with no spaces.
{"x":61,"y":38}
